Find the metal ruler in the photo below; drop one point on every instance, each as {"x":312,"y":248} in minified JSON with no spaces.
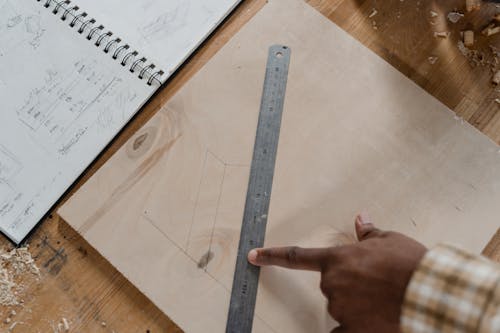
{"x":253,"y":229}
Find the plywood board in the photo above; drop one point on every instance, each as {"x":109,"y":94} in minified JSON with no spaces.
{"x":356,"y":135}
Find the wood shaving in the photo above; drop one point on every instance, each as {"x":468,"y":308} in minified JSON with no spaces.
{"x":496,"y":78}
{"x":463,"y":49}
{"x":495,"y":51}
{"x":468,"y":38}
{"x":65,"y":324}
{"x":454,"y":17}
{"x":471,"y":5}
{"x":54,"y":327}
{"x":434,"y":14}
{"x":432,"y":60}
{"x":442,"y":34}
{"x":373,"y":13}
{"x":491,"y":30}
{"x":11,"y":327}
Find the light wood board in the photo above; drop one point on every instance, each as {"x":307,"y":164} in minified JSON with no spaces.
{"x":356,"y":134}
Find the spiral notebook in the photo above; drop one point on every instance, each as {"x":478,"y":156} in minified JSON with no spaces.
{"x":71,"y":77}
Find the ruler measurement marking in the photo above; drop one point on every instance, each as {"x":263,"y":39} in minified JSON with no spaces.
{"x":246,"y":276}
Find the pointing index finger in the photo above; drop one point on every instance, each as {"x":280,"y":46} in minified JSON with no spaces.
{"x":293,"y":257}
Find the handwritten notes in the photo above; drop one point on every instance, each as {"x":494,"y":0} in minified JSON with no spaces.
{"x":63,"y":100}
{"x":167,"y":31}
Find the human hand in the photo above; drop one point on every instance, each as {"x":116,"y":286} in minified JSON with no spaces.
{"x":364,"y":283}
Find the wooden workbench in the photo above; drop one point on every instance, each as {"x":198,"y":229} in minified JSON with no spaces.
{"x":78,"y":284}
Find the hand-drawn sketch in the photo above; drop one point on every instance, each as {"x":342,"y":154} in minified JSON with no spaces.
{"x":51,"y":111}
{"x":169,"y":31}
{"x":64,"y":100}
{"x":6,"y":193}
{"x":60,"y":89}
{"x":13,"y":21}
{"x":27,"y":27}
{"x":9,"y":21}
{"x":123,"y":97}
{"x":9,"y":164}
{"x":32,"y":25}
{"x":167,"y":23}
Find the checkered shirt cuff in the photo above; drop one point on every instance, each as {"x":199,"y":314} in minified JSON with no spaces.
{"x":452,"y":291}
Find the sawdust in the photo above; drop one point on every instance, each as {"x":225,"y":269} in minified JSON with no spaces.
{"x":62,"y":326}
{"x":11,"y":327}
{"x":14,"y":264}
{"x":442,"y":34}
{"x":65,"y":324}
{"x":482,"y":56}
{"x":475,"y":57}
{"x":373,"y":13}
{"x":454,"y":17}
{"x":432,"y":59}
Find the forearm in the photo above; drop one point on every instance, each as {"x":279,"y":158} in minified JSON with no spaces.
{"x":452,"y":291}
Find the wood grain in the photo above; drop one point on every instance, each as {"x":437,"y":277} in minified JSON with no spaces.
{"x":77,"y":283}
{"x":156,"y":213}
{"x":404,"y":37}
{"x":80,"y":285}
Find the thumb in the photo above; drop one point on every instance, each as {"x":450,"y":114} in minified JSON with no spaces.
{"x":365,"y":229}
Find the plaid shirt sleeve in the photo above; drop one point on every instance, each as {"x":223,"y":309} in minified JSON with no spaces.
{"x":452,"y":291}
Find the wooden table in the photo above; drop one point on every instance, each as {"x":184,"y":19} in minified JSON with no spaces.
{"x":78,"y":284}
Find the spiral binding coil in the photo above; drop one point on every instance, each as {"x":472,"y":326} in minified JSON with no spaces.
{"x":86,"y":25}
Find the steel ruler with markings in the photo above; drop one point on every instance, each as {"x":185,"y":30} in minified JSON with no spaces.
{"x":253,"y":229}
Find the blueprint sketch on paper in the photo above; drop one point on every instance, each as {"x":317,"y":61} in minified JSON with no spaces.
{"x":63,"y":100}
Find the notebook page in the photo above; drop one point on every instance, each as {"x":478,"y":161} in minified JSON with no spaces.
{"x":166,"y":32}
{"x":63,"y":100}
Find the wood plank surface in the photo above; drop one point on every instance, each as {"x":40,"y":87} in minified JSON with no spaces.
{"x":78,"y":284}
{"x":174,"y":193}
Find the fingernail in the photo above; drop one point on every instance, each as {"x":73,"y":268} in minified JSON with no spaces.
{"x":364,"y":218}
{"x":252,"y":256}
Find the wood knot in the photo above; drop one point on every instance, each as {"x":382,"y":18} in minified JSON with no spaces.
{"x":205,"y":259}
{"x":139,"y":141}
